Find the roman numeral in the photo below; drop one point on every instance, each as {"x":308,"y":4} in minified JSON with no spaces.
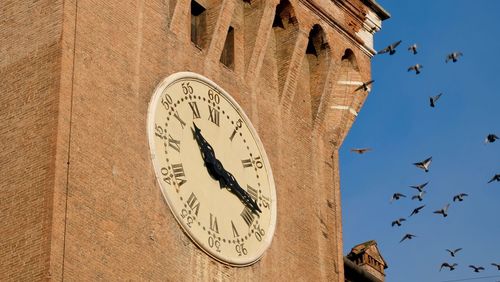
{"x":247,"y":163}
{"x":247,"y":216}
{"x":235,"y":232}
{"x":194,"y":108}
{"x":232,"y":135}
{"x":179,"y":174}
{"x":175,"y":144}
{"x":252,"y":192}
{"x":176,"y":115}
{"x":213,"y":224}
{"x":195,"y":206}
{"x":239,"y":124}
{"x":252,"y":162}
{"x":214,"y":115}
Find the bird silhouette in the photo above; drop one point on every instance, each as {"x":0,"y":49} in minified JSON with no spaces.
{"x":397,"y":196}
{"x":490,"y":138}
{"x":454,"y":252}
{"x":398,"y":222}
{"x":360,"y":150}
{"x":476,"y":268}
{"x":416,"y":68}
{"x":419,"y":196}
{"x":407,"y":236}
{"x":459,"y":197}
{"x":443,"y":211}
{"x":496,"y":264}
{"x":424,"y":164}
{"x":434,"y":99}
{"x":450,"y":266}
{"x":453,"y":57}
{"x":413,"y":48}
{"x":364,"y":86}
{"x":391,"y":48}
{"x":495,"y":178}
{"x":417,"y":210}
{"x":420,"y":187}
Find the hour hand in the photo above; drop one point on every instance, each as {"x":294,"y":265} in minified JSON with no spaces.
{"x":213,"y":165}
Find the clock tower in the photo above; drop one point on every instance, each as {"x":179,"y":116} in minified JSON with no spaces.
{"x":119,"y":162}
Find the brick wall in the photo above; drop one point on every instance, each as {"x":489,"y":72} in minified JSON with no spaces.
{"x":103,"y":215}
{"x":30,"y":54}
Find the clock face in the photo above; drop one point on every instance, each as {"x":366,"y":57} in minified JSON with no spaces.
{"x":212,"y":168}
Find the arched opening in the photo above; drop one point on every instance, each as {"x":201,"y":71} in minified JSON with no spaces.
{"x":348,"y":60}
{"x":318,"y":60}
{"x":344,"y":102}
{"x":286,"y":29}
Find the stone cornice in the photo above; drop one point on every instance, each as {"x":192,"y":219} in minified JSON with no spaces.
{"x":379,"y":10}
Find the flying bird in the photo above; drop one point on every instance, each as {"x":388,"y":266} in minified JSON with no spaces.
{"x":419,"y":196}
{"x":398,"y":222}
{"x":434,"y":99}
{"x":453,"y":57}
{"x":397,"y":196}
{"x":420,"y":187}
{"x":360,"y":150}
{"x":364,"y":86}
{"x":415,"y":211}
{"x":496,"y":264}
{"x":407,"y":236}
{"x":413,"y":48}
{"x":416,"y":68}
{"x":451,"y":267}
{"x":495,"y":178}
{"x":454,"y":252}
{"x":476,"y":269}
{"x":443,"y":211}
{"x":424,"y":164}
{"x":459,"y":197}
{"x":490,"y":138}
{"x":391,"y":48}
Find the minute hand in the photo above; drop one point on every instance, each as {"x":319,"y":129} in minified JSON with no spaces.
{"x":219,"y":173}
{"x":236,"y":189}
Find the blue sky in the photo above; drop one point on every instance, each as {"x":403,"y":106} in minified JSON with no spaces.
{"x":397,"y":122}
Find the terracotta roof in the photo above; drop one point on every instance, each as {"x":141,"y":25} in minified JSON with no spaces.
{"x":363,"y":247}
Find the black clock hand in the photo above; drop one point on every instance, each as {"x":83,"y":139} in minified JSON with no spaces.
{"x":217,"y":171}
{"x":236,"y":189}
{"x":213,"y":165}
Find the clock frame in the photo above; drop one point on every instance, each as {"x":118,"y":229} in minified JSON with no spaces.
{"x":216,"y":219}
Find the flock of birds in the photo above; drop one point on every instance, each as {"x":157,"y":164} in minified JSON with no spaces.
{"x":425,"y":164}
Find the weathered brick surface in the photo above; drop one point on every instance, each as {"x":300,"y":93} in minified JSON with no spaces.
{"x":81,"y":199}
{"x":30,"y":54}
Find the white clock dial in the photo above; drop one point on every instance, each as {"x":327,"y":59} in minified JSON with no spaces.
{"x":212,"y":168}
